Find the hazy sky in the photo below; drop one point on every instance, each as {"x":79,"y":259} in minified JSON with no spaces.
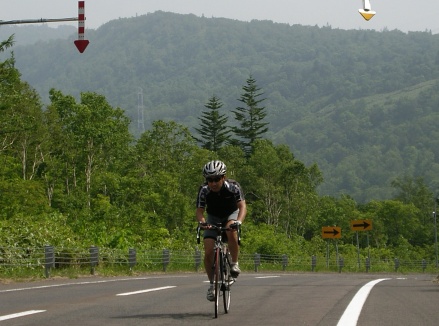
{"x":405,"y":15}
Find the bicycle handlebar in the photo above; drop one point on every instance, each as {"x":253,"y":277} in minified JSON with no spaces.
{"x":219,"y":228}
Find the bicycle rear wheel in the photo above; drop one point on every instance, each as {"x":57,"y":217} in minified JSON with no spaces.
{"x":217,"y":278}
{"x":226,"y":283}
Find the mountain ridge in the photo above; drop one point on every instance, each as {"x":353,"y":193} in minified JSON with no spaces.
{"x":179,"y":61}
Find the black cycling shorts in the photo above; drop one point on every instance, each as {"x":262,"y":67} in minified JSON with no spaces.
{"x":214,"y":220}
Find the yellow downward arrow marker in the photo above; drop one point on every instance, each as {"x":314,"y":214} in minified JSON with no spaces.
{"x":367,"y":14}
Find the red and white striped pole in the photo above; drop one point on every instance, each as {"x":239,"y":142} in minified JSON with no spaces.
{"x":81,"y":43}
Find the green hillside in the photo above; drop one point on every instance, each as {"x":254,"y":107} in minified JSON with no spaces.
{"x":361,"y":104}
{"x":362,"y":145}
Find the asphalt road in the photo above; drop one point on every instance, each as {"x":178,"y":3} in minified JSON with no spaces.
{"x":257,"y":299}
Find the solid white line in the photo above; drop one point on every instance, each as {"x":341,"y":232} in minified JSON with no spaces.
{"x":273,"y":276}
{"x":353,"y":310}
{"x":20,"y":314}
{"x":149,"y":290}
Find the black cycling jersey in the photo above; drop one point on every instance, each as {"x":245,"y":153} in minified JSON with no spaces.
{"x":222,"y":203}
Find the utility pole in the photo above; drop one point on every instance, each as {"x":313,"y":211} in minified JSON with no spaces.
{"x":435,"y":230}
{"x":140,"y":110}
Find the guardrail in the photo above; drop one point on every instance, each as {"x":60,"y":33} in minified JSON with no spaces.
{"x":51,"y":258}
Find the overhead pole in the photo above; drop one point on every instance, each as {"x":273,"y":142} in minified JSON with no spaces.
{"x":81,"y":43}
{"x":36,"y":21}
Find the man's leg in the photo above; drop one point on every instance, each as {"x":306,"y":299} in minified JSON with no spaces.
{"x":232,"y":237}
{"x":208,"y":257}
{"x":208,"y":264}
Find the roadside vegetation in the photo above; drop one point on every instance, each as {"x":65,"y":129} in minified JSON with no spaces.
{"x":73,"y":176}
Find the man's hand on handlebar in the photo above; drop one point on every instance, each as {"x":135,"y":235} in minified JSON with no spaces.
{"x":204,"y":225}
{"x":236,"y":225}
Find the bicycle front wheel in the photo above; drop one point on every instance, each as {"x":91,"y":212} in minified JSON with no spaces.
{"x":217,"y":279}
{"x":226,"y":283}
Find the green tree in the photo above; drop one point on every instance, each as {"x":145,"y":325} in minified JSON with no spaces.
{"x":413,"y":191}
{"x":20,"y":118}
{"x":282,"y":191}
{"x":394,"y":220}
{"x":4,"y":45}
{"x":22,"y":138}
{"x":94,"y":141}
{"x":214,"y":131}
{"x":167,"y":168}
{"x":250,"y":116}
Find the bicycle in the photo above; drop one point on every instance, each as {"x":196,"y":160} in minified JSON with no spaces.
{"x":223,"y":279}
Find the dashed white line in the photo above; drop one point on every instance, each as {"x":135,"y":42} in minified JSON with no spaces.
{"x":145,"y":291}
{"x":20,"y":314}
{"x":83,"y":283}
{"x":273,"y":276}
{"x":353,"y":310}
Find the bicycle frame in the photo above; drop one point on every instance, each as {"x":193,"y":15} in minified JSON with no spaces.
{"x":221,"y":266}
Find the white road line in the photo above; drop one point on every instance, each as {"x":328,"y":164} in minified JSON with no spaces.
{"x":20,"y":314}
{"x":85,"y":283}
{"x":273,"y":276}
{"x":144,"y":291}
{"x":353,"y":310}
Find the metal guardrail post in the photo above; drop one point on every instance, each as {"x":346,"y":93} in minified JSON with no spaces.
{"x":132,"y":260}
{"x":340,"y":264}
{"x":94,"y":258}
{"x":424,"y":265}
{"x":367,"y":265}
{"x":197,"y":259}
{"x":49,"y":255}
{"x":313,"y":263}
{"x":257,"y":260}
{"x":166,"y":259}
{"x":396,"y":264}
{"x":284,"y":262}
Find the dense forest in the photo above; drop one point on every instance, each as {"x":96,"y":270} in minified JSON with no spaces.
{"x":73,"y":175}
{"x":361,"y":104}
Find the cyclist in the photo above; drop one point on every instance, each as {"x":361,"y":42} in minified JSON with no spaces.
{"x":223,"y":201}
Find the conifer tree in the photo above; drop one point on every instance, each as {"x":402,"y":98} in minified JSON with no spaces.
{"x":214,"y":132}
{"x":250,"y":116}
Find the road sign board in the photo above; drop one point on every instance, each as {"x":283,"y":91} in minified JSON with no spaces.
{"x":367,"y":15}
{"x":331,"y":232}
{"x":81,"y":45}
{"x":361,"y":225}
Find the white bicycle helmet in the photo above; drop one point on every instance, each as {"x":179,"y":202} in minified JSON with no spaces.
{"x":214,"y":168}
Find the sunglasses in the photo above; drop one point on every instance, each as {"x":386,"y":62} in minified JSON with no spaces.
{"x":216,"y":179}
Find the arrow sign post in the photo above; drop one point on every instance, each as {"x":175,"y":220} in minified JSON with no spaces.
{"x":331,"y":232}
{"x":81,"y":43}
{"x":361,"y":225}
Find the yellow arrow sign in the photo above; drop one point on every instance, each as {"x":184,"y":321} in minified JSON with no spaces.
{"x":331,"y":232}
{"x":367,"y":14}
{"x":361,"y":225}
